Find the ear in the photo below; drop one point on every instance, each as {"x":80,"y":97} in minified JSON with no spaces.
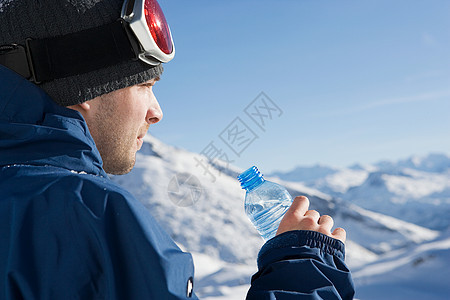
{"x":82,"y":107}
{"x":85,"y":106}
{"x":85,"y":109}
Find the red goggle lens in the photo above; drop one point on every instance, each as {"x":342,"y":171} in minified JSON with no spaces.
{"x":158,"y":26}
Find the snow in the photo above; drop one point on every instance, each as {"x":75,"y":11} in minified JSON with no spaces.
{"x":76,"y":172}
{"x":432,"y":163}
{"x":420,"y":272}
{"x":200,"y":204}
{"x":416,"y":233}
{"x":415,"y":184}
{"x":357,"y":255}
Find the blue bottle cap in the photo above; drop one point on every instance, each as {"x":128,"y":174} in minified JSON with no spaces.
{"x":250,"y":178}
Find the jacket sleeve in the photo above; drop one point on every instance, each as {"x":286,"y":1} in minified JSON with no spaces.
{"x":302,"y":265}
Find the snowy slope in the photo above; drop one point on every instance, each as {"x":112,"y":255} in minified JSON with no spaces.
{"x":413,"y":196}
{"x":202,"y":209}
{"x":418,"y":272}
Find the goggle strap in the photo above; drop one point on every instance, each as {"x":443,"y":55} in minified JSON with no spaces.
{"x":80,"y":52}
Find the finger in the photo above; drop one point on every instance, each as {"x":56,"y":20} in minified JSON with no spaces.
{"x":326,"y":222}
{"x":294,"y":215}
{"x":340,"y":234}
{"x":299,"y":206}
{"x":313,"y":214}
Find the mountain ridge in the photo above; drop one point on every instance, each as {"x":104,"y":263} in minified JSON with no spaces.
{"x":416,"y":189}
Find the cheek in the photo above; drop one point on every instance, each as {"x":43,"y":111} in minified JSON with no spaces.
{"x":132,"y":107}
{"x":140,"y":105}
{"x":138,"y":114}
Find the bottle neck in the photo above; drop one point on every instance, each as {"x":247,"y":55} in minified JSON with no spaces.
{"x":251,"y":179}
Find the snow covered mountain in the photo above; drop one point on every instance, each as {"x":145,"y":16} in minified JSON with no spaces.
{"x":415,"y":190}
{"x":200,"y":204}
{"x":418,"y":272}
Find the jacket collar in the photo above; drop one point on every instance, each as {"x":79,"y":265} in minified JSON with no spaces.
{"x":34,"y":130}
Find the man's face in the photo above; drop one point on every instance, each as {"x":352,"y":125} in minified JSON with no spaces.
{"x":118,"y":122}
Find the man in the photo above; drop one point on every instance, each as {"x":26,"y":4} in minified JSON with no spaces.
{"x":76,"y":100}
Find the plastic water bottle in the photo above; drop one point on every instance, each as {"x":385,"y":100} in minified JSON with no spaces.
{"x":266,"y":202}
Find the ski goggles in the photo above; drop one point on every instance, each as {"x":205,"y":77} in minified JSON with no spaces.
{"x":148,"y":23}
{"x":141,"y":33}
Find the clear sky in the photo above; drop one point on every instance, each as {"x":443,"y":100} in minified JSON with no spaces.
{"x":349,"y":81}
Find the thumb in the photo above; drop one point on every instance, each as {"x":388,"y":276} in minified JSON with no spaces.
{"x":294,"y":215}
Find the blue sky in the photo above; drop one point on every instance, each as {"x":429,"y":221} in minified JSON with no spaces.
{"x":355,"y":81}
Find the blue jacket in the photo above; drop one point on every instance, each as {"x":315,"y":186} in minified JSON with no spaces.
{"x":68,"y":232}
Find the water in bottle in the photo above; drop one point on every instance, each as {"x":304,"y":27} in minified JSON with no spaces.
{"x":266,"y":202}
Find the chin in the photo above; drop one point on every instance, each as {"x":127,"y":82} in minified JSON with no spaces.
{"x":120,"y":168}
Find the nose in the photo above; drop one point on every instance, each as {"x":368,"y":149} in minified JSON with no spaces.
{"x":154,"y":112}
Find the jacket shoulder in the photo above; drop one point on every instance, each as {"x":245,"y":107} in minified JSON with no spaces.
{"x":90,"y":235}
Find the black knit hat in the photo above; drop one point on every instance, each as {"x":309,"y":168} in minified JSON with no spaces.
{"x":38,"y":19}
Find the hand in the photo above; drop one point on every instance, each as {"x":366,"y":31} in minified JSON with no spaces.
{"x":298,"y":217}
